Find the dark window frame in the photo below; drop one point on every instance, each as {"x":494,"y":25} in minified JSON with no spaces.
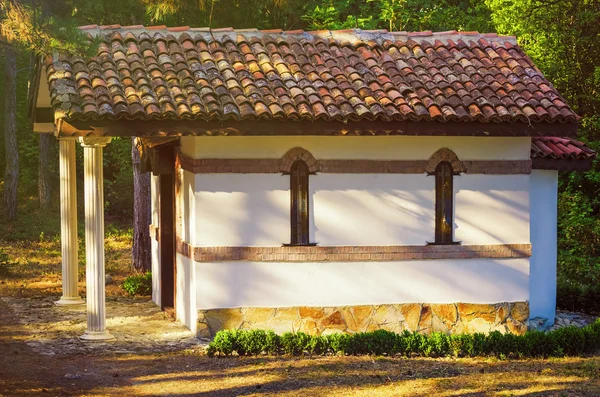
{"x":444,"y":204}
{"x":299,"y":204}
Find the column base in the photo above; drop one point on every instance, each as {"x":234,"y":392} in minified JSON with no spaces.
{"x":96,"y":336}
{"x":67,"y":301}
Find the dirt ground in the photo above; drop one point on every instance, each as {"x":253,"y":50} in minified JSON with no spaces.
{"x":154,"y":356}
{"x":28,"y":369}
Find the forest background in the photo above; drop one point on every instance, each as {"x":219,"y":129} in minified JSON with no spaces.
{"x":561,"y":36}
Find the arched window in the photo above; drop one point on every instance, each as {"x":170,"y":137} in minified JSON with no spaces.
{"x":299,"y":203}
{"x":443,"y":203}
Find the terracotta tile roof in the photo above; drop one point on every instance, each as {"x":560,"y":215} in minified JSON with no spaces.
{"x":560,"y":148}
{"x":145,"y":73}
{"x":561,"y":154}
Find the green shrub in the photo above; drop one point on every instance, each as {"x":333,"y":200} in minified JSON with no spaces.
{"x":339,"y":343}
{"x":295,"y":343}
{"x":461,"y":345}
{"x":571,"y":340}
{"x":318,"y":345}
{"x":140,"y":284}
{"x":565,"y":341}
{"x":573,"y":296}
{"x":273,"y":343}
{"x":252,"y":342}
{"x":225,"y":342}
{"x":439,"y":344}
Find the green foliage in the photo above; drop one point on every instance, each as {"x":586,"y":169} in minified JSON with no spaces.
{"x":118,"y":179}
{"x":561,"y":37}
{"x":41,"y":28}
{"x":569,"y":341}
{"x":294,"y":343}
{"x":6,"y":264}
{"x":139,"y":284}
{"x":398,"y":15}
{"x":224,"y":343}
{"x":339,"y":343}
{"x":261,"y":14}
{"x":576,"y":296}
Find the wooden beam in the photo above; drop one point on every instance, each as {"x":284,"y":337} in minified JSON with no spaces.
{"x":43,"y":128}
{"x":151,"y":128}
{"x":562,"y":164}
{"x":44,"y":115}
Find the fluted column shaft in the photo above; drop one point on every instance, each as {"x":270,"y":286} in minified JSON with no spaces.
{"x":94,"y":238}
{"x":68,"y":223}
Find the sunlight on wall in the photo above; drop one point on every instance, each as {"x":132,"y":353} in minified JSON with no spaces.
{"x":260,"y":284}
{"x":357,"y":209}
{"x":384,"y":209}
{"x":351,"y":209}
{"x":358,"y":147}
{"x":242,"y":209}
{"x":491,"y":209}
{"x":154,"y":246}
{"x":186,"y":288}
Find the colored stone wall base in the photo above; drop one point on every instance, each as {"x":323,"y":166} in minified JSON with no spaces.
{"x":450,"y":318}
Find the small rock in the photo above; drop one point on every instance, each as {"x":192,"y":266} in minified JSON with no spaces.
{"x":108,"y":279}
{"x":538,"y":323}
{"x":73,"y":376}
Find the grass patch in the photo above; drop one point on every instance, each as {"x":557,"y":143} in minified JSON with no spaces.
{"x":35,"y":269}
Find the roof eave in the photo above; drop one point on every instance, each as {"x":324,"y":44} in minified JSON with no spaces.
{"x":145,"y":128}
{"x":539,"y":163}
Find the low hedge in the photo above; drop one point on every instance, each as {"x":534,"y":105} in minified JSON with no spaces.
{"x":569,"y":341}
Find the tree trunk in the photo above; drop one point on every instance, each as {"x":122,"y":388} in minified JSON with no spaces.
{"x":43,"y":174}
{"x":141,"y":213}
{"x":11,"y":174}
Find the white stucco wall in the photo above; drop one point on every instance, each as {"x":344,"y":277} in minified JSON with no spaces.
{"x":154,"y":245}
{"x":491,"y":209}
{"x":351,"y":209}
{"x":186,"y":292}
{"x":358,"y":209}
{"x":372,"y":209}
{"x":357,"y":147}
{"x":187,"y":206}
{"x":544,"y":196}
{"x":262,"y":284}
{"x":242,"y":210}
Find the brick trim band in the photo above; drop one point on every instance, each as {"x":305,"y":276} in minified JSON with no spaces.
{"x":352,"y":254}
{"x":273,"y":166}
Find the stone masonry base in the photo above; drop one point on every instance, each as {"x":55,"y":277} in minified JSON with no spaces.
{"x":451,"y":318}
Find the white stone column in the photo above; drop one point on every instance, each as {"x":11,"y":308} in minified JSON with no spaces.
{"x":94,"y":238}
{"x":68,"y":223}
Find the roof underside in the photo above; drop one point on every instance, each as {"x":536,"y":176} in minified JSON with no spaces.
{"x":147,"y":81}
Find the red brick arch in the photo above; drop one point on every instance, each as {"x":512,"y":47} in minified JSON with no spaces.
{"x":448,"y":155}
{"x":299,"y":153}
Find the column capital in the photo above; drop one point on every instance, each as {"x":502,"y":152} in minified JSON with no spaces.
{"x":68,"y":138}
{"x":94,"y":141}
